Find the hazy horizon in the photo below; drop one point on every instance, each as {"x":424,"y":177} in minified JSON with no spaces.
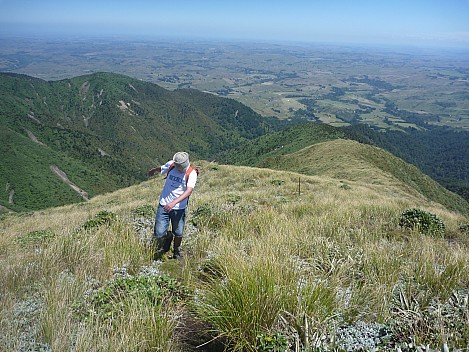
{"x":408,"y":23}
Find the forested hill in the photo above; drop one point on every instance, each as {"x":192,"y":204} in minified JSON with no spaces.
{"x":103,"y":131}
{"x":65,"y":141}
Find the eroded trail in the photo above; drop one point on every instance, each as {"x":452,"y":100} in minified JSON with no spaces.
{"x":63,"y":176}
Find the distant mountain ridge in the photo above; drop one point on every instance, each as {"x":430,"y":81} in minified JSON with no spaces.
{"x":70,"y":140}
{"x":103,"y":131}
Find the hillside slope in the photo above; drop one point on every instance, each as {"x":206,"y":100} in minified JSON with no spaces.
{"x":442,"y":153}
{"x":105,"y":130}
{"x":27,"y":178}
{"x":288,"y":140}
{"x":348,"y":160}
{"x":318,"y":149}
{"x":327,"y":268}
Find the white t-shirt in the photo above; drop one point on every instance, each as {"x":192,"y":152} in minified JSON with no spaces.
{"x":175,"y":185}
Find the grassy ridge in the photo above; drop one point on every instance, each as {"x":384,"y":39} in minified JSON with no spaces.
{"x":315,"y":149}
{"x":263,"y":261}
{"x":288,"y":140}
{"x":352,"y":161}
{"x":441,"y":153}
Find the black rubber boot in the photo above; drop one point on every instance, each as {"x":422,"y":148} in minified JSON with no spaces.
{"x":176,"y":251}
{"x":159,"y":249}
{"x":167,"y":240}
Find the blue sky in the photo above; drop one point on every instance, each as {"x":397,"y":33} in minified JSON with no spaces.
{"x":414,"y":22}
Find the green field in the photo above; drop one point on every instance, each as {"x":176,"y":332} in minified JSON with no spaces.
{"x":424,"y":85}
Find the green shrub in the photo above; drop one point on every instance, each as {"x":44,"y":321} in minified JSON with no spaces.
{"x":277,"y":182}
{"x":233,"y":198}
{"x":113,"y":298}
{"x":426,"y":223}
{"x":345,"y":186}
{"x":275,"y":343}
{"x":36,"y":237}
{"x":146,"y":211}
{"x":103,"y":217}
{"x":464,"y":228}
{"x":202,"y":214}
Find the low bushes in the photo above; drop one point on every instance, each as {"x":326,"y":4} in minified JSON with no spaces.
{"x":424,"y":222}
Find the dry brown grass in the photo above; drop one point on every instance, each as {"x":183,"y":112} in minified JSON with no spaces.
{"x":338,"y":248}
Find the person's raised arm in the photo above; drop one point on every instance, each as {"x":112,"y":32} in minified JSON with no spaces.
{"x":154,"y":171}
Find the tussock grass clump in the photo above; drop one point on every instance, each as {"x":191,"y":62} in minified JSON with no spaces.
{"x":437,"y":320}
{"x":241,"y":303}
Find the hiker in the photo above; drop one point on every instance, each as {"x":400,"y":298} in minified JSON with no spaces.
{"x":180,"y":181}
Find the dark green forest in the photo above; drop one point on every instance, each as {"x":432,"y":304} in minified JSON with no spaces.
{"x":105,"y":131}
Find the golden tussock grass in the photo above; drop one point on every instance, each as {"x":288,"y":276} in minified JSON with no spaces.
{"x":273,"y":251}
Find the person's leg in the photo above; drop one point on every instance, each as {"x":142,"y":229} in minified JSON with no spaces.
{"x":178,"y":220}
{"x":162,"y":219}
